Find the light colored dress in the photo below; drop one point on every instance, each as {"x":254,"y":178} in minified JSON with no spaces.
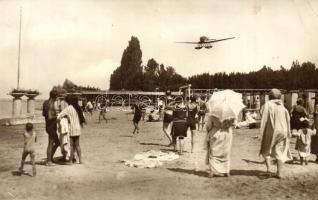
{"x":275,"y":131}
{"x":219,"y":144}
{"x":74,"y":123}
{"x":304,"y":141}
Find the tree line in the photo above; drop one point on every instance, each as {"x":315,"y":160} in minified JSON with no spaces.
{"x":132,"y":75}
{"x":299,"y":76}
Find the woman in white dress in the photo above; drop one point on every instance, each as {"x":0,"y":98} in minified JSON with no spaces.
{"x":219,"y":144}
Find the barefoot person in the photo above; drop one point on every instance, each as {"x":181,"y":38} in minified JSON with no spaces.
{"x":167,"y":117}
{"x":50,"y":112}
{"x":275,"y":131}
{"x":219,"y":144}
{"x":193,"y":110}
{"x":76,"y":118}
{"x":102,"y":112}
{"x":28,"y":149}
{"x":202,"y":112}
{"x":137,"y":116}
{"x":179,"y":126}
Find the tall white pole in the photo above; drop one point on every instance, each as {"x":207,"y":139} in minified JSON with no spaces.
{"x":18,"y":85}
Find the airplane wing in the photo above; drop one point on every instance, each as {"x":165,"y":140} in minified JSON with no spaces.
{"x":212,"y":41}
{"x":188,"y":42}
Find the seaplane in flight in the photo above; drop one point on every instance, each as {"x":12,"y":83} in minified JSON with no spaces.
{"x":205,"y":42}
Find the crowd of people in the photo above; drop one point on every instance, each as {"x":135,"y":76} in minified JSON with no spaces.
{"x":277,"y":126}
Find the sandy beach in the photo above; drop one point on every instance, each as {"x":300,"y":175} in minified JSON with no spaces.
{"x":103,"y":176}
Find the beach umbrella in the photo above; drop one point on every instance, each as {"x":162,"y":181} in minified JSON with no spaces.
{"x":225,"y":104}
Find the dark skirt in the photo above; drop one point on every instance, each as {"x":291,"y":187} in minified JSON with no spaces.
{"x":179,"y":128}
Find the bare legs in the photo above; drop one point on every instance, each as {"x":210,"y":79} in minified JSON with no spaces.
{"x":192,"y":140}
{"x":51,"y":148}
{"x":201,"y":122}
{"x":180,"y":141}
{"x":24,"y":155}
{"x":102,"y":115}
{"x":165,"y":129}
{"x":75,"y":147}
{"x":136,"y":127}
{"x":279,"y":167}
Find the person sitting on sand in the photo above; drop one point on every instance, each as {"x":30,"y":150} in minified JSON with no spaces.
{"x":76,"y":118}
{"x":275,"y":131}
{"x":28,"y":149}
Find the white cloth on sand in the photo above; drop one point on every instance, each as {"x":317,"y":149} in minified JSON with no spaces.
{"x":150,"y":159}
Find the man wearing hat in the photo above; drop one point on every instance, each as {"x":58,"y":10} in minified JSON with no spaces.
{"x":275,"y":131}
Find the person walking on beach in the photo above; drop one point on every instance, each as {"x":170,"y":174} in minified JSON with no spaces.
{"x":89,"y":107}
{"x":76,"y":120}
{"x":192,"y":109}
{"x":202,"y":112}
{"x":168,"y":117}
{"x":102,"y":112}
{"x":28,"y":149}
{"x":50,"y":113}
{"x":137,"y":116}
{"x":275,"y":131}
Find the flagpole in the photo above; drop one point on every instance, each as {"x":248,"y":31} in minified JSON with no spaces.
{"x":18,"y":84}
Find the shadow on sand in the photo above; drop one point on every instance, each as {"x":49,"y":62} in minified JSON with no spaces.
{"x":126,"y":136}
{"x":252,"y":161}
{"x":19,"y":173}
{"x":190,"y":171}
{"x":152,"y":144}
{"x":235,"y":172}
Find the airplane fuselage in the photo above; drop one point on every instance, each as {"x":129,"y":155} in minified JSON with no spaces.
{"x":203,"y":39}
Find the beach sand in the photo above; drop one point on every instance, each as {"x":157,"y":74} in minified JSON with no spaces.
{"x":103,"y":176}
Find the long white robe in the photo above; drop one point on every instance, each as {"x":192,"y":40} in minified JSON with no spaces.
{"x":275,"y":131}
{"x":219,"y":144}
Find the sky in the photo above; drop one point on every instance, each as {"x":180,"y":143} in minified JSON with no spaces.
{"x":83,"y":40}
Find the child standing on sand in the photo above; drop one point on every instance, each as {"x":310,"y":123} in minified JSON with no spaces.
{"x":29,"y":140}
{"x":303,"y":141}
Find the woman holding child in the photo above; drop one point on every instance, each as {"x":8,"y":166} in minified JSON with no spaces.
{"x":298,"y":111}
{"x":74,"y":114}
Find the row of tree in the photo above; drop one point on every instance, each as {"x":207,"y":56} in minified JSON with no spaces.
{"x":69,"y":86}
{"x":304,"y":76}
{"x":131,"y":75}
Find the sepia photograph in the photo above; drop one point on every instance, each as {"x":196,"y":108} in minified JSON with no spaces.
{"x":158,"y":99}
